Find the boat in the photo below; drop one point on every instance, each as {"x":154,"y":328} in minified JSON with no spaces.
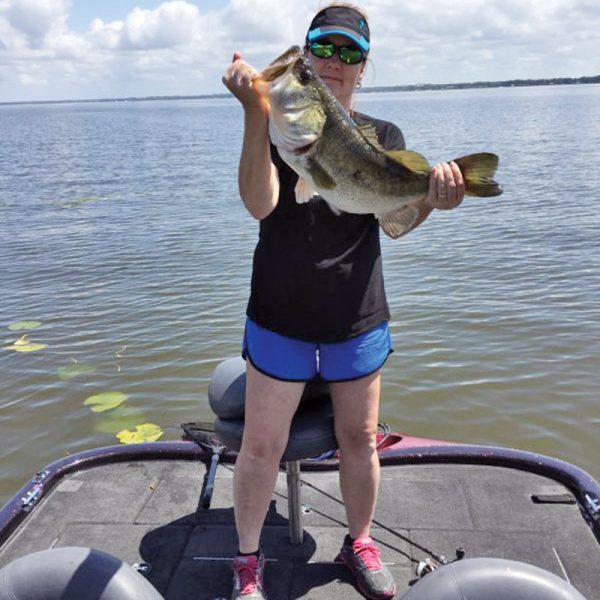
{"x":453,"y":521}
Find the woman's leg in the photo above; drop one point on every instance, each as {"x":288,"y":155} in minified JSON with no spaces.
{"x":270,"y":406}
{"x":356,"y":410}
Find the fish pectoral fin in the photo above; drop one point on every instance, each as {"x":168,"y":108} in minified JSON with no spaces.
{"x":398,"y":222}
{"x":370,"y":134}
{"x":411,"y":160}
{"x":304,"y":191}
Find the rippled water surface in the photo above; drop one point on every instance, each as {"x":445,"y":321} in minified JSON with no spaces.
{"x":121,"y":231}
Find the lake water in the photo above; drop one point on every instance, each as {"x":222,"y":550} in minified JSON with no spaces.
{"x":121,"y":231}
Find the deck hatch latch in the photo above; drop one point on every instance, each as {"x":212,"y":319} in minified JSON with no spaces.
{"x":593,"y":505}
{"x":35,"y":493}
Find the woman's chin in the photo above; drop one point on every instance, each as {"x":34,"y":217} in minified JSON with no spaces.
{"x":335,"y":85}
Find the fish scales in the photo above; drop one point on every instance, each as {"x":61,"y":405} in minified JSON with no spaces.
{"x":373,"y":178}
{"x":366,"y":179}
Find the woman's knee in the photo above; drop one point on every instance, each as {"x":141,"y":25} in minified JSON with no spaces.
{"x":265,"y":447}
{"x":357,"y":439}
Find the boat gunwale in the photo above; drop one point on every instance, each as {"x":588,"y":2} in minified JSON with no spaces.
{"x":584,"y":487}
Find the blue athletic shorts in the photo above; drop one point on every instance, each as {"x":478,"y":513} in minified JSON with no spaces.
{"x":289,"y":359}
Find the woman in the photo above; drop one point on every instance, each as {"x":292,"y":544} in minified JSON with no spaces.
{"x":317,"y":305}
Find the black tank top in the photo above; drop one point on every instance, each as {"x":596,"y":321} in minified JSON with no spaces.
{"x":317,"y":275}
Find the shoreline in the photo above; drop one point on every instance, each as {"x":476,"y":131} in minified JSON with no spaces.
{"x":370,"y":90}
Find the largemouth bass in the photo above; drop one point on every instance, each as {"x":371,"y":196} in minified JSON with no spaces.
{"x":345,"y":163}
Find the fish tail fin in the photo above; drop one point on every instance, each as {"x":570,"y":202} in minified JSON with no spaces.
{"x":478,"y":170}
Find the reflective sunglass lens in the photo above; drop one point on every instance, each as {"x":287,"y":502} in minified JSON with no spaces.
{"x":322,"y":50}
{"x":350,"y":56}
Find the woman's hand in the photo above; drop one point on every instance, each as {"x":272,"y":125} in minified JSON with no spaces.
{"x":239,"y":79}
{"x":446,"y":187}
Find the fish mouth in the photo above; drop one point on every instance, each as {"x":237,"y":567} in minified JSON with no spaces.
{"x":281,"y":64}
{"x":304,"y":149}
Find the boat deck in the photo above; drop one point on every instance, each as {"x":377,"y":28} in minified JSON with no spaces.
{"x":148,"y":511}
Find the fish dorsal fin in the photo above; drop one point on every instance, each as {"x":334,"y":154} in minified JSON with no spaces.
{"x":398,"y":222}
{"x":411,"y":160}
{"x":370,"y":134}
{"x":304,"y":191}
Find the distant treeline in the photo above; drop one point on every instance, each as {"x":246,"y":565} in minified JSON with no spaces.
{"x":483,"y":84}
{"x":130,"y":99}
{"x":392,"y":88}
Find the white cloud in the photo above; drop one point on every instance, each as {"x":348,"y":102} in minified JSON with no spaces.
{"x":10,"y":38}
{"x":106,"y":35}
{"x":66,"y":44}
{"x":177,"y":48}
{"x":27,"y":79}
{"x":172,"y":24}
{"x":35,"y":18}
{"x":266,"y":21}
{"x":462,"y":40}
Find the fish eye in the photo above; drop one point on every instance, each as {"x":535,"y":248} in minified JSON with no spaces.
{"x":304,"y":75}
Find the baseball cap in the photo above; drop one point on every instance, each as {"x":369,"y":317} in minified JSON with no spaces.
{"x":340,"y":20}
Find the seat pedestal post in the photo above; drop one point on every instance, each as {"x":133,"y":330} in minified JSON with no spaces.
{"x":292,"y":468}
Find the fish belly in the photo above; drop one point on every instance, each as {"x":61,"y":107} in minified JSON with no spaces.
{"x":351,"y":193}
{"x":359,"y":200}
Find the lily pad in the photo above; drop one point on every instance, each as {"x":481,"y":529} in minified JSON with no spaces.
{"x":147,"y":432}
{"x":24,"y":325}
{"x":105,"y":401}
{"x":73,"y":370}
{"x":24,"y":345}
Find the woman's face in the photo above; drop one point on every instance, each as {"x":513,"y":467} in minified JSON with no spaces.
{"x":340,"y":77}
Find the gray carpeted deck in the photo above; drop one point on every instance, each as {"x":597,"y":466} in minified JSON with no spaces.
{"x":148,"y":511}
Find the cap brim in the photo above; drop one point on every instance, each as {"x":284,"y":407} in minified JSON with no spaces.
{"x":321,"y":32}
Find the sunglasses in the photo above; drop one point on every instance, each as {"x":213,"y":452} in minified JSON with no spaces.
{"x":350,"y":55}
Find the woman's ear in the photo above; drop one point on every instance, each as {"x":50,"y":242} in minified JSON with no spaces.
{"x":363,"y":68}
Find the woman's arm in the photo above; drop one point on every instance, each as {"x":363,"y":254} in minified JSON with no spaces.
{"x":258,"y":179}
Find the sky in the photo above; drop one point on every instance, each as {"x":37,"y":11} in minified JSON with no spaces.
{"x":85,"y":49}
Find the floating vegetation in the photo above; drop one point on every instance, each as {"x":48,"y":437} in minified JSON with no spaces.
{"x":85,"y":200}
{"x":105,"y":401}
{"x":75,"y":202}
{"x":147,"y":432}
{"x":24,"y":345}
{"x":24,"y":325}
{"x":74,"y":369}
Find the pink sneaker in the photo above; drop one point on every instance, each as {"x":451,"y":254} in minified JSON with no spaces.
{"x":373,"y":578}
{"x":248,"y":572}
